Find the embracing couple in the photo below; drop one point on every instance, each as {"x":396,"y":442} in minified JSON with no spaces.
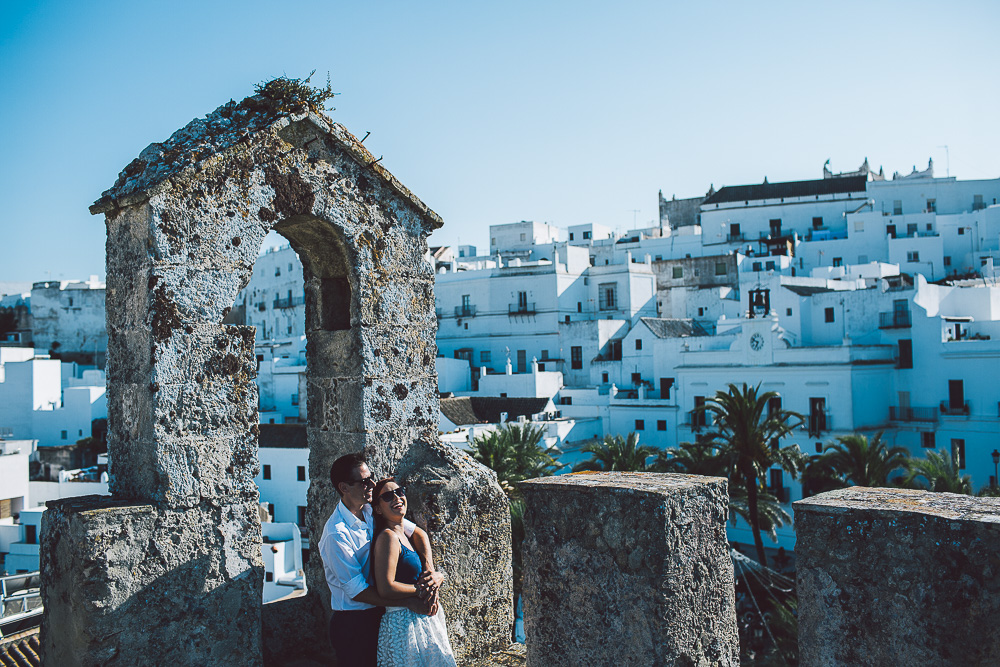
{"x":383,"y":586}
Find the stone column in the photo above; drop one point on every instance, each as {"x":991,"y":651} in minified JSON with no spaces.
{"x":628,"y":569}
{"x":898,"y":577}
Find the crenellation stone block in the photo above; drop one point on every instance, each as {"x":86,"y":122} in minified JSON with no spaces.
{"x":104,"y":561}
{"x":640,"y":556}
{"x":898,"y":577}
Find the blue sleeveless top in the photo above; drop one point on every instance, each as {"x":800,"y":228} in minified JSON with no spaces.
{"x":409,"y":566}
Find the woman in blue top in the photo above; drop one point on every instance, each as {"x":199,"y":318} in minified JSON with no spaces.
{"x":405,"y":639}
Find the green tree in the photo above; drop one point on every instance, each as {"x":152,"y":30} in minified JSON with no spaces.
{"x":616,"y":453}
{"x":860,"y":462}
{"x":938,"y":472}
{"x":705,"y":457}
{"x":515,"y":453}
{"x":747,"y":429}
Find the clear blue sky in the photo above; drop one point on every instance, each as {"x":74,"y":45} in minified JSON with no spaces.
{"x":566,"y":112}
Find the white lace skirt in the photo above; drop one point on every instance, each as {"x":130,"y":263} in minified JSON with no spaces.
{"x":406,"y":639}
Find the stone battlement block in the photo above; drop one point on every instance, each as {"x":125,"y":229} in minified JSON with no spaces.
{"x":898,"y":577}
{"x":638,"y":556}
{"x":109,"y":566}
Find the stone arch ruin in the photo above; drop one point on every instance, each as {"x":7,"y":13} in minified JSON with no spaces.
{"x":168,"y":570}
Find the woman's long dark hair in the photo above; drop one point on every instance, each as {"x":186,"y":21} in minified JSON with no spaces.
{"x":380,"y":524}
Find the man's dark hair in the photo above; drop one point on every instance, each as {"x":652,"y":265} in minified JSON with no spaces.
{"x":342,"y":468}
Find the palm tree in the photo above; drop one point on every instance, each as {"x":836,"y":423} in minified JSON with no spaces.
{"x":702,"y":457}
{"x":748,"y":430}
{"x":515,"y":453}
{"x":940,"y":473}
{"x":616,"y":453}
{"x":862,"y":463}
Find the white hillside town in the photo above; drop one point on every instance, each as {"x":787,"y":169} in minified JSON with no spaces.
{"x":881,"y":310}
{"x":867,"y":303}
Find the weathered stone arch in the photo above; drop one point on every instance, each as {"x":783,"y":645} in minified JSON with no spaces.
{"x":185,"y":223}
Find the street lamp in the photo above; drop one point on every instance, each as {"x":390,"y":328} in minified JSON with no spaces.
{"x":996,"y":462}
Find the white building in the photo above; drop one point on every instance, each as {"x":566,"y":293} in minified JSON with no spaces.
{"x":68,"y":319}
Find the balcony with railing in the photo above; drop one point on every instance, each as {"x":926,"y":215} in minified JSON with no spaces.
{"x":896,"y":319}
{"x":956,"y":410}
{"x":817,"y":423}
{"x":521,"y":309}
{"x":736,"y":238}
{"x":289,"y":302}
{"x":908,"y":414}
{"x":467,"y":310}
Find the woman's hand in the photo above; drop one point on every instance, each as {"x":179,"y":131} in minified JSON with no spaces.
{"x":429,"y":582}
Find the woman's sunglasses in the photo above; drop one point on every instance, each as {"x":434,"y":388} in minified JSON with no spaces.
{"x":388,"y":495}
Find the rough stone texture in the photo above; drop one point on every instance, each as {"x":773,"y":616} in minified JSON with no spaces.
{"x":628,"y":569}
{"x":898,"y":577}
{"x":185,"y":224}
{"x":201,"y":569}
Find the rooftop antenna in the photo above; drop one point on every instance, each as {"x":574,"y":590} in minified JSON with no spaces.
{"x":947,"y":160}
{"x":635,"y":212}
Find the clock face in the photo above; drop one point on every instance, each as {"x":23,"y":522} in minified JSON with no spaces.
{"x":757,"y":341}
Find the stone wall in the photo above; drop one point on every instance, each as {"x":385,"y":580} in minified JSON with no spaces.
{"x":628,"y":569}
{"x":898,"y":577}
{"x":185,"y":223}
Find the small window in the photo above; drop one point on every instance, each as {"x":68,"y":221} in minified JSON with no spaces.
{"x":576,"y":357}
{"x":678,"y":272}
{"x":701,"y":311}
{"x":927,"y":439}
{"x":295,"y":399}
{"x":522,"y":237}
{"x":300,"y":473}
{"x":819,"y":447}
{"x":267,"y":471}
{"x":958,"y":452}
{"x":567,"y":319}
{"x":720,"y":268}
{"x":586,"y":235}
{"x":565,"y":400}
{"x":484,"y":357}
{"x":571,"y":236}
{"x":828,"y":314}
{"x":579,"y":307}
{"x":638,"y":343}
{"x":640,"y":424}
{"x":897,"y":207}
{"x":269,"y":576}
{"x":493,"y":241}
{"x":932,"y":206}
{"x":302,"y":515}
{"x":81,"y":431}
{"x":604,"y":378}
{"x":906,"y":353}
{"x":817,"y":222}
{"x":859,"y":225}
{"x":961,"y":231}
{"x":788,"y":312}
{"x":30,"y":534}
{"x":757,"y":266}
{"x":911,"y":229}
{"x":465,"y":325}
{"x":636,"y":379}
{"x":913,"y":256}
{"x":947,"y":260}
{"x":64,"y":435}
{"x":838,"y":261}
{"x":769,"y":266}
{"x":277,"y":271}
{"x":661,"y":424}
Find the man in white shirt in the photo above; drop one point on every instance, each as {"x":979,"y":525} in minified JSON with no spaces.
{"x":344,"y":548}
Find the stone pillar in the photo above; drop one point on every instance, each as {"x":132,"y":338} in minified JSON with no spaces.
{"x":898,"y":577}
{"x":628,"y":569}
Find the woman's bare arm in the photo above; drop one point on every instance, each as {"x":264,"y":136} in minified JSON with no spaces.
{"x":386,"y":557}
{"x":429,"y":580}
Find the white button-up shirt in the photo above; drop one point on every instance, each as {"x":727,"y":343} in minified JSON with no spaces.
{"x":345,"y":549}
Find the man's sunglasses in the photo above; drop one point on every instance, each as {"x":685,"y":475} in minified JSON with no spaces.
{"x":367,"y":481}
{"x":388,"y":495}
